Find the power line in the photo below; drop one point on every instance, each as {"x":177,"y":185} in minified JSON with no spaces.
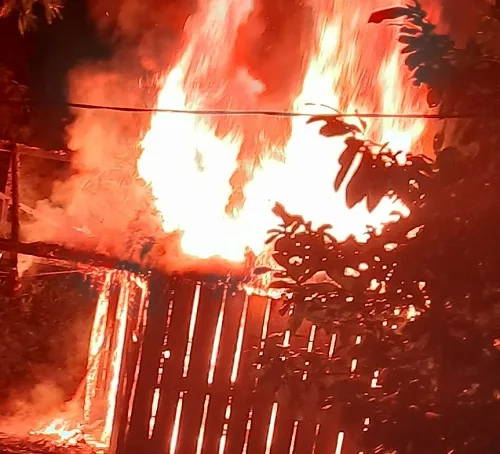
{"x":234,"y":113}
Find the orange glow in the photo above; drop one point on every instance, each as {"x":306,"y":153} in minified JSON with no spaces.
{"x":270,"y":429}
{"x":190,"y":164}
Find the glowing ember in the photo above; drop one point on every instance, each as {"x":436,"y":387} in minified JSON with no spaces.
{"x":62,"y":430}
{"x":195,"y":165}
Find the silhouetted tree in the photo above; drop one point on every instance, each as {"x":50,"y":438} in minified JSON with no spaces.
{"x":424,"y":296}
{"x":25,"y":11}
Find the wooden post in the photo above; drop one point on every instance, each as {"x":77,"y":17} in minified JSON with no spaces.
{"x":14,"y":283}
{"x":137,"y":438}
{"x":5,"y":164}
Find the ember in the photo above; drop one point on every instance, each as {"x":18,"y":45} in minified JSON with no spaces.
{"x":10,"y":444}
{"x":61,"y":430}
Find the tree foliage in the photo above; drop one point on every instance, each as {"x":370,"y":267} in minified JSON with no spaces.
{"x":424,"y":296}
{"x":41,"y":335}
{"x":25,"y":11}
{"x":13,"y":119}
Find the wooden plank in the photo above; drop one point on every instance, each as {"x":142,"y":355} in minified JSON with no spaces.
{"x":328,"y":435}
{"x":221,"y":388}
{"x":133,"y":342}
{"x":137,"y":439}
{"x":242,"y":397}
{"x":263,"y":415}
{"x":286,"y":424}
{"x":196,"y":402}
{"x":306,"y":433}
{"x":181,"y":302}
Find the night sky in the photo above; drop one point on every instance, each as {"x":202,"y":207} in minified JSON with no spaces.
{"x":41,"y":60}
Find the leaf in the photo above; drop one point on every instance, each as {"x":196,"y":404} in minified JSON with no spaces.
{"x":414,"y":60}
{"x":434,"y":97}
{"x":409,"y":30}
{"x":288,"y":219}
{"x":390,"y":13}
{"x":438,"y":141}
{"x":354,"y":146}
{"x":334,"y":126}
{"x":281,"y":285}
{"x":271,"y":238}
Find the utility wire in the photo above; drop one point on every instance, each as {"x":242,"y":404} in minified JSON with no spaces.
{"x":234,"y":113}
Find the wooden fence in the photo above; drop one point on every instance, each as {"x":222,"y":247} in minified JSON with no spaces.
{"x":188,"y":388}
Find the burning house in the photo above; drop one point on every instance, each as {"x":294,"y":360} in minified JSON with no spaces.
{"x":190,"y":203}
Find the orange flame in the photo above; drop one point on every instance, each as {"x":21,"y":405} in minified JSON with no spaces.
{"x":192,"y":166}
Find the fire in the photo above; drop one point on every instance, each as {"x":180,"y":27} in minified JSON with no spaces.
{"x":198,"y":165}
{"x":61,"y":429}
{"x":92,"y":422}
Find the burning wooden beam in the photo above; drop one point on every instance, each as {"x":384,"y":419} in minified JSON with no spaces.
{"x":58,"y":252}
{"x":57,"y":155}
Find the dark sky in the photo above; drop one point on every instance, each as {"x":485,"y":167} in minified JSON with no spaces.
{"x":42,"y":58}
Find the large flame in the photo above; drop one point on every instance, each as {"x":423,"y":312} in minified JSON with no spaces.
{"x":216,"y":179}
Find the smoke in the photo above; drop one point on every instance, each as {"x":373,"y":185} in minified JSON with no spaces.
{"x":44,"y":359}
{"x":31,"y":408}
{"x":103,"y":205}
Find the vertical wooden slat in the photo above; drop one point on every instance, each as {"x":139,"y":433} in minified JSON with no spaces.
{"x":181,"y":298}
{"x":308,"y":427}
{"x":242,"y":397}
{"x":286,"y":422}
{"x":328,"y":435}
{"x":137,"y":439}
{"x":196,"y":381}
{"x":262,"y":412}
{"x":133,"y":340}
{"x":305,"y":436}
{"x":204,"y":404}
{"x":220,"y":390}
{"x":110,"y":338}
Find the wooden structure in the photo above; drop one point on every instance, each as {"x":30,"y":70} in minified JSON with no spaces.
{"x":191,"y":390}
{"x":177,"y":362}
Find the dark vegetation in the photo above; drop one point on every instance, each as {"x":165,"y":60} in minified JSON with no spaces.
{"x":44,"y":337}
{"x":28,"y":12}
{"x":428,"y":310}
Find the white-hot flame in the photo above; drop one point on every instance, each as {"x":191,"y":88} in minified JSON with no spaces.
{"x":191,"y":161}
